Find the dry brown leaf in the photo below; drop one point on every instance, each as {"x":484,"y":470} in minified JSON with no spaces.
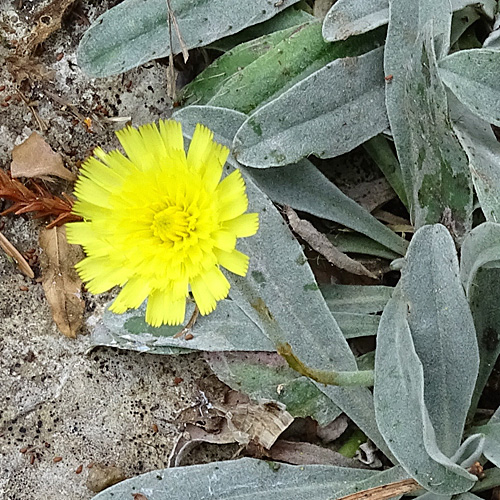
{"x":301,"y":453}
{"x":322,"y":245}
{"x":260,"y":423}
{"x":35,"y":158}
{"x":193,"y":437}
{"x":60,"y":281}
{"x":333,"y":430}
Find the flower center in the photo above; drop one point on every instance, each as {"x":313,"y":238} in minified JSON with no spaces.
{"x":173,"y":224}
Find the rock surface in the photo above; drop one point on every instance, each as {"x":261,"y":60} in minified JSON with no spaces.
{"x":64,"y":406}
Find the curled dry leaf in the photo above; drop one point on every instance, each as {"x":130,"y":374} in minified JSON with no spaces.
{"x":193,"y":437}
{"x":261,"y":423}
{"x":60,"y":281}
{"x":35,"y":158}
{"x":322,"y":245}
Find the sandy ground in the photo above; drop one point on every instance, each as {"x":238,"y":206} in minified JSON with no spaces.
{"x":58,"y":397}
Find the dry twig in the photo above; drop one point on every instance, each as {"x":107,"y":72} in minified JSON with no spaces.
{"x":385,"y":491}
{"x":13,"y":252}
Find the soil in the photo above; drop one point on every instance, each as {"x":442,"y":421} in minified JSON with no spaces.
{"x":64,"y":405}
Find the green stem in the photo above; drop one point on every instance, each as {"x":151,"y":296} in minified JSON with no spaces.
{"x":362,"y":378}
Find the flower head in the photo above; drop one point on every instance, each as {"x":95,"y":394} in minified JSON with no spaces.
{"x":161,"y":223}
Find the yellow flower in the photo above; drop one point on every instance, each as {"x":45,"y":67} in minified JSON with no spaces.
{"x":160,"y":223}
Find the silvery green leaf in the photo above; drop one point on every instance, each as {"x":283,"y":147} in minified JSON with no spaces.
{"x":280,"y":293}
{"x":301,"y":186}
{"x":356,"y":298}
{"x":480,"y":275}
{"x":467,"y":496}
{"x":401,"y":410}
{"x":355,"y":325}
{"x":336,"y":108}
{"x":287,"y":18}
{"x":134,"y":31}
{"x":470,"y":451}
{"x":472,"y":75}
{"x":354,"y":306}
{"x":287,"y":63}
{"x":434,"y":165}
{"x":442,"y":331}
{"x":352,"y":17}
{"x":226,"y":329}
{"x":350,"y":242}
{"x":491,"y":432}
{"x":266,"y":376}
{"x":483,"y":151}
{"x":247,"y":479}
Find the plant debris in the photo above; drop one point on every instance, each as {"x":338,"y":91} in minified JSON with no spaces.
{"x":35,"y":158}
{"x":39,"y":200}
{"x":14,"y":253}
{"x":322,"y":245}
{"x":60,"y":281}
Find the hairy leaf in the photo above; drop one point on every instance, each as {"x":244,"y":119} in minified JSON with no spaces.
{"x":442,"y":330}
{"x":247,"y":478}
{"x":336,"y":109}
{"x":472,"y":75}
{"x":286,"y":64}
{"x":434,"y":165}
{"x":352,"y":17}
{"x":134,"y":32}
{"x":483,"y":150}
{"x":480,"y":274}
{"x":401,"y":410}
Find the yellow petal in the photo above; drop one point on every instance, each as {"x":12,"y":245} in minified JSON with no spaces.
{"x":131,"y":296}
{"x":171,"y":134}
{"x":200,"y":147}
{"x":203,"y":296}
{"x":224,"y":240}
{"x":216,"y":282}
{"x":234,"y":261}
{"x":99,"y":275}
{"x":163,"y":309}
{"x":243,"y":226}
{"x":233,"y":200}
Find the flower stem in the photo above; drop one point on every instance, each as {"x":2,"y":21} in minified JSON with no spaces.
{"x":345,"y":379}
